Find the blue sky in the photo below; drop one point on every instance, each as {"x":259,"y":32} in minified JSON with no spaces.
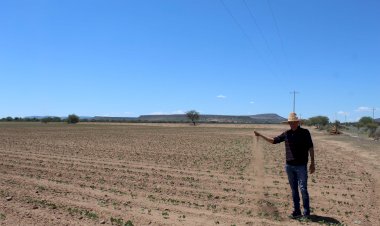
{"x":235,"y":57}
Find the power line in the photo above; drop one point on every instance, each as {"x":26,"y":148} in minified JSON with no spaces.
{"x":245,"y":34}
{"x":278,"y":33}
{"x":238,"y":25}
{"x":259,"y":29}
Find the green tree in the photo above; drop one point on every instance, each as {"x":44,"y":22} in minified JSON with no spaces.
{"x":193,"y":115}
{"x":72,"y":119}
{"x":369,"y":125}
{"x":51,"y":119}
{"x":372,"y":129}
{"x":45,"y":120}
{"x":318,"y":121}
{"x":364,"y":121}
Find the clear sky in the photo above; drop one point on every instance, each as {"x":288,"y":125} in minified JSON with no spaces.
{"x":234,"y":57}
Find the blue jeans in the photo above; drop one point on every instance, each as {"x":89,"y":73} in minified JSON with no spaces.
{"x":297,"y":176}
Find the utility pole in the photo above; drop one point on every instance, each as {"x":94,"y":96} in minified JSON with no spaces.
{"x":373,"y":114}
{"x":294,"y":100}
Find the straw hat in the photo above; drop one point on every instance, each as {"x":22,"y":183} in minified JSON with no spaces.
{"x":292,"y":118}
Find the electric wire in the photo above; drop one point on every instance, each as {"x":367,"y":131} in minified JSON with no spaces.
{"x":278,"y":34}
{"x":238,"y":25}
{"x":246,"y":35}
{"x":260,"y":30}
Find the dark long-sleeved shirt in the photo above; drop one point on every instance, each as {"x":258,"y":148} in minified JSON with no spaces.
{"x":297,"y":145}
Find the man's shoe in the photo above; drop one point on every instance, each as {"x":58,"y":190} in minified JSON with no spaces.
{"x":306,"y":215}
{"x":295,"y":215}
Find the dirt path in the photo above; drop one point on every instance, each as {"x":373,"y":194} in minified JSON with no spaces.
{"x":258,"y":161}
{"x":266,"y":206}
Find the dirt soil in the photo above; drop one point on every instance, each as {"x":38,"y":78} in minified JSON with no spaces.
{"x":177,"y":174}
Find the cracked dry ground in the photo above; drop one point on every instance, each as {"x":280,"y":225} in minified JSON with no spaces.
{"x":161,"y":174}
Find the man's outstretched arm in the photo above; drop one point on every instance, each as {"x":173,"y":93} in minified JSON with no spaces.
{"x":269,"y":139}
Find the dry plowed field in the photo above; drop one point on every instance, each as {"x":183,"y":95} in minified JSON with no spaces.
{"x":162,"y":174}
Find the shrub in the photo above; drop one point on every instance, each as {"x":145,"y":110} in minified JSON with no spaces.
{"x":364,"y":121}
{"x":372,"y":127}
{"x":376,"y":134}
{"x":72,"y":119}
{"x":50,"y":119}
{"x":319,"y":121}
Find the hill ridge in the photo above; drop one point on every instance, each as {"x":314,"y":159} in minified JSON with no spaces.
{"x":204,"y":118}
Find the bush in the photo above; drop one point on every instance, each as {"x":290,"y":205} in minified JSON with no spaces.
{"x":376,"y":134}
{"x":50,"y":119}
{"x":372,"y":128}
{"x":364,"y":121}
{"x":319,"y":121}
{"x":72,"y":119}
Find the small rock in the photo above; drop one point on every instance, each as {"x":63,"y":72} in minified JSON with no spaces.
{"x":9,"y":198}
{"x":35,"y":207}
{"x":103,"y":222}
{"x":59,"y":174}
{"x":80,"y":218}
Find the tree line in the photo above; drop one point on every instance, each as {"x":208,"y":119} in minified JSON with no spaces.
{"x":366,"y":124}
{"x":71,"y":119}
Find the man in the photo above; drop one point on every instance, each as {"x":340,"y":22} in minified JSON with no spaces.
{"x":298,"y":145}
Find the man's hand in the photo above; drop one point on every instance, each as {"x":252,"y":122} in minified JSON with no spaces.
{"x":312,"y":168}
{"x":269,"y":139}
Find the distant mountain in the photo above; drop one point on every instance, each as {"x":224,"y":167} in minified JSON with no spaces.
{"x":243,"y":119}
{"x":61,"y":117}
{"x":203,"y":118}
{"x":170,"y":118}
{"x":40,"y":117}
{"x":268,"y":118}
{"x":259,"y":119}
{"x":377,"y":120}
{"x":112,"y":119}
